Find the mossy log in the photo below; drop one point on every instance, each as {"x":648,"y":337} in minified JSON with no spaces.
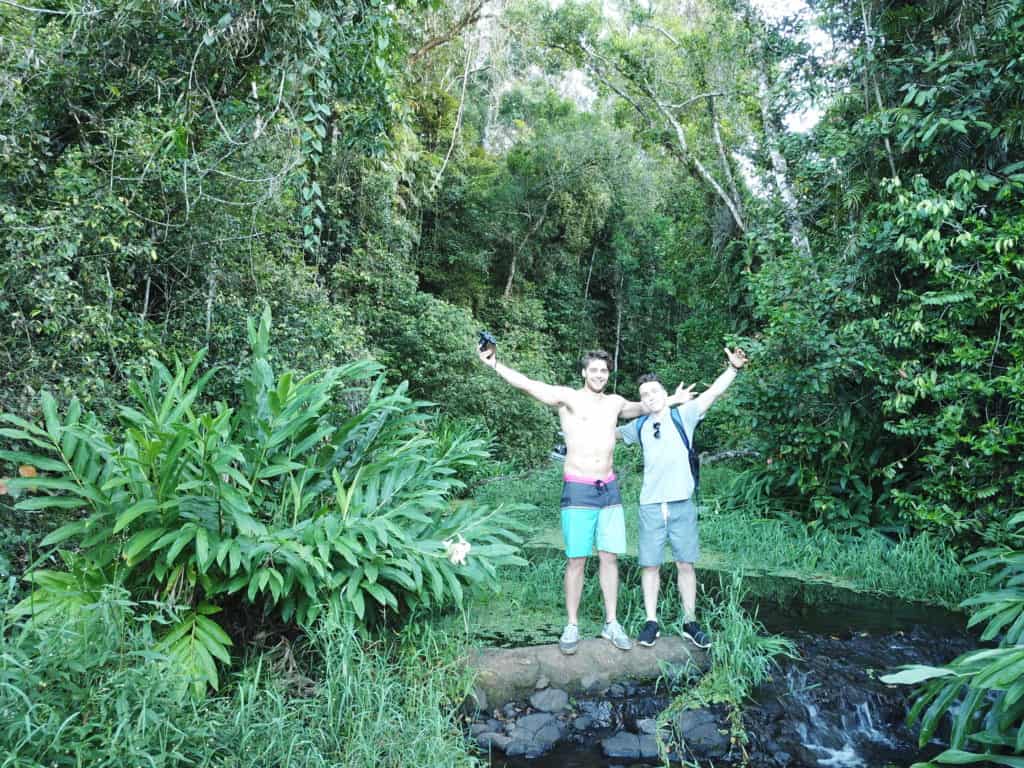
{"x":509,"y":674}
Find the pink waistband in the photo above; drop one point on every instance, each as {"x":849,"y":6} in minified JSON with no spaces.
{"x":589,"y":480}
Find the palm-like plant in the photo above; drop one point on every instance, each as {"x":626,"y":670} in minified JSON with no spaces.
{"x":983,"y":690}
{"x":326,"y":489}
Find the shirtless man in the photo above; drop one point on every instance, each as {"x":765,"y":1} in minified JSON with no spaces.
{"x":591,"y":505}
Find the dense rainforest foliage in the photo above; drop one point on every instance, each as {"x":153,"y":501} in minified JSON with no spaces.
{"x":384,"y":180}
{"x":391,"y":178}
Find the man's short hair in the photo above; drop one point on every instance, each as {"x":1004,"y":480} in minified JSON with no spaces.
{"x":647,"y":378}
{"x":596,"y":354}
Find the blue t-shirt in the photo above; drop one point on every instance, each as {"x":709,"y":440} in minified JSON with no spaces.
{"x":667,"y":475}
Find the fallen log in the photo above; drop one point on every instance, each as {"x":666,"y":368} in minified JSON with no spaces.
{"x":510,"y":674}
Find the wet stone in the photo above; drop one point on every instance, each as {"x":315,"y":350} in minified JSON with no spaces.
{"x":616,"y":691}
{"x":534,"y":735}
{"x":622,"y":745}
{"x":699,"y":729}
{"x":493,"y":741}
{"x":648,"y":746}
{"x":542,"y":683}
{"x":600,"y":711}
{"x":647,"y":726}
{"x":550,"y":700}
{"x":582,"y":722}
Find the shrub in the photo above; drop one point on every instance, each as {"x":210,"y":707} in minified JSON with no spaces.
{"x":982,"y":691}
{"x":87,"y":689}
{"x":324,"y":490}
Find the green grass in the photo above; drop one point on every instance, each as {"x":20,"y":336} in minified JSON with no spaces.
{"x":90,"y":691}
{"x":742,"y":657}
{"x":741,"y":540}
{"x":373,"y":704}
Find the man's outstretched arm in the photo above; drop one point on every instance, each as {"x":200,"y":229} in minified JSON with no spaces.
{"x":631,"y":409}
{"x":548,"y":394}
{"x":737,"y":359}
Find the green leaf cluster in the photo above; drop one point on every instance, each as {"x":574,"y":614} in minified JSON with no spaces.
{"x":314,"y":491}
{"x":981,"y":692}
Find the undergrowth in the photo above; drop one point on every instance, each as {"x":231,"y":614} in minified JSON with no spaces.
{"x":742,"y":657}
{"x":90,"y":692}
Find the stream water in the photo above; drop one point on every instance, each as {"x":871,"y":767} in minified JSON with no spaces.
{"x":826,"y":709}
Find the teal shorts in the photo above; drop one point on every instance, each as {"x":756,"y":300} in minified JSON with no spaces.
{"x":592,"y":514}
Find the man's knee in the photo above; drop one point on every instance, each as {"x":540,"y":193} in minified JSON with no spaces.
{"x":607,"y":557}
{"x":685,"y":569}
{"x":575,"y":564}
{"x":651,"y":569}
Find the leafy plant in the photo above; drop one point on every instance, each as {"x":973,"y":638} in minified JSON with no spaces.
{"x":742,"y":657}
{"x":87,"y":688}
{"x":313,"y":491}
{"x":981,"y":692}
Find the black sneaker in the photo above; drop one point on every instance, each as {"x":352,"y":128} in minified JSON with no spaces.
{"x":696,"y":635}
{"x":649,"y":634}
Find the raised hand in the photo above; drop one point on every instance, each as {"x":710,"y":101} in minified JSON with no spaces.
{"x":684,"y":395}
{"x":737,"y":357}
{"x":488,"y":355}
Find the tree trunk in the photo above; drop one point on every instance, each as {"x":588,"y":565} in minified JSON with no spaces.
{"x":522,"y":244}
{"x":586,"y":289}
{"x":869,"y":75}
{"x":618,"y":331}
{"x":723,"y":156}
{"x":780,"y":170}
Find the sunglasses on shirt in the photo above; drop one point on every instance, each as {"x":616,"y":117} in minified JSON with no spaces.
{"x":657,"y":430}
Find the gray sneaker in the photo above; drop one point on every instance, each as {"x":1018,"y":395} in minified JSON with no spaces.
{"x":569,"y":640}
{"x":613,"y":631}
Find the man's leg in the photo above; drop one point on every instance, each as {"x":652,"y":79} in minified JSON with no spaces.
{"x":611,"y":542}
{"x":573,"y":586}
{"x":653,"y":531}
{"x":608,"y":573}
{"x":650,"y":581}
{"x":578,"y":526}
{"x":686,"y":580}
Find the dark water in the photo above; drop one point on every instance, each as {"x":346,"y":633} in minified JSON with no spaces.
{"x":825,"y":710}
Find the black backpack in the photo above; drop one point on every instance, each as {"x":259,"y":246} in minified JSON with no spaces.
{"x":691,"y":452}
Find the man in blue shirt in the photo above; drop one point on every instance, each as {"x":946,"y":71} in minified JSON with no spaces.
{"x":667,"y":511}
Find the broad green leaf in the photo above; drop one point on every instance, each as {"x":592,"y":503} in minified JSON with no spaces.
{"x":51,"y":502}
{"x":139,"y":543}
{"x":49,"y":405}
{"x":959,"y":757}
{"x":65,"y":532}
{"x":127,"y":517}
{"x":202,"y":548}
{"x":34,"y":459}
{"x":916,"y":674}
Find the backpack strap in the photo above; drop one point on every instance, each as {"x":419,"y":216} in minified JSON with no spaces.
{"x":677,"y":419}
{"x":692,"y":458}
{"x":640,"y":429}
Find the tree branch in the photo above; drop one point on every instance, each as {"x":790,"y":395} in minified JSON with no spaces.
{"x":722,"y":156}
{"x":694,"y":162}
{"x":458,"y":121}
{"x":30,"y":9}
{"x":471,"y":16}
